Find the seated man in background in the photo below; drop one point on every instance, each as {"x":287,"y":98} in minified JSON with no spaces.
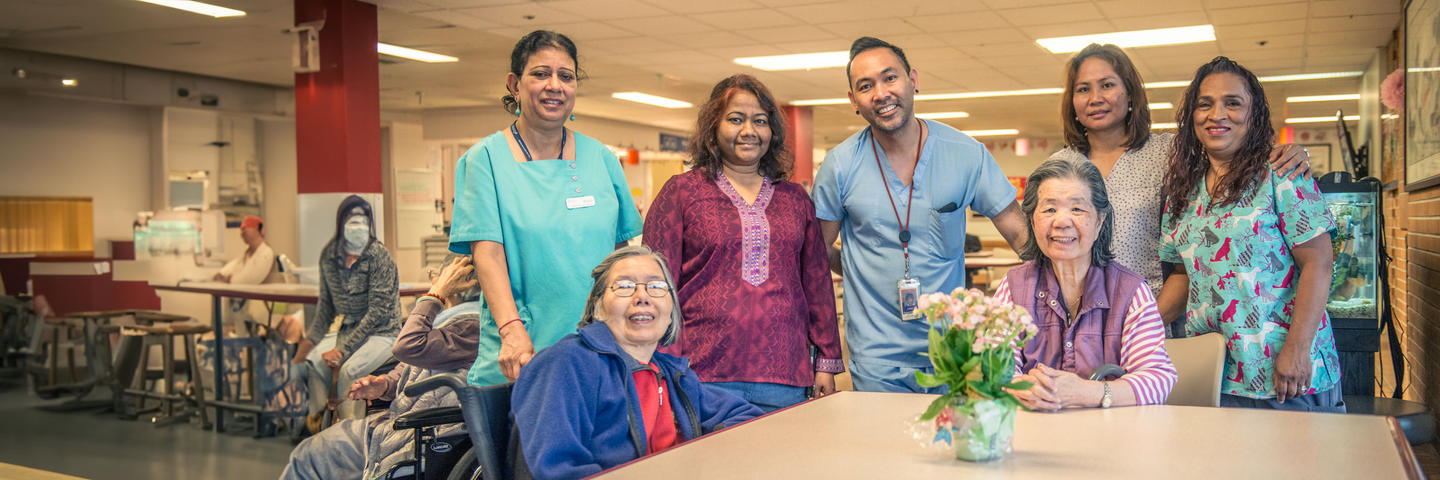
{"x":257,"y":264}
{"x":432,"y":341}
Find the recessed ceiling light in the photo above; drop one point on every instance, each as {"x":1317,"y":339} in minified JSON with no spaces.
{"x":1309,"y":76}
{"x":1348,"y":118}
{"x":649,"y":99}
{"x":1131,"y":39}
{"x":799,"y":61}
{"x":1163,"y":126}
{"x":991,"y":133}
{"x":198,"y":7}
{"x":413,"y":54}
{"x":69,"y":82}
{"x":939,"y":115}
{"x":1323,"y":98}
{"x":1161,"y":106}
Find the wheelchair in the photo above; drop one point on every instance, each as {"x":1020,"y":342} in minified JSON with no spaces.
{"x":489,"y":449}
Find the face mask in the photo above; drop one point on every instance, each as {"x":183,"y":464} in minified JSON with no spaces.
{"x":357,"y":235}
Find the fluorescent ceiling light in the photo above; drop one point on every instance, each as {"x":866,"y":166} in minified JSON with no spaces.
{"x":1053,"y":91}
{"x":1331,"y":118}
{"x":1131,"y":39}
{"x":413,"y":54}
{"x":1163,"y":126}
{"x":197,"y":7}
{"x":799,"y":61}
{"x":939,"y":115}
{"x":1324,"y":98}
{"x":991,"y":133}
{"x":998,"y":93}
{"x":649,"y":99}
{"x":1422,"y":69}
{"x":69,"y":82}
{"x":1161,"y":106}
{"x":1390,"y":116}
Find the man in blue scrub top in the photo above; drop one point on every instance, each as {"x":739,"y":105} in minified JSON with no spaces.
{"x":901,"y":186}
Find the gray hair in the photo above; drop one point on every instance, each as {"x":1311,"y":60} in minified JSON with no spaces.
{"x":1084,"y":171}
{"x":601,"y":274}
{"x":469,"y":295}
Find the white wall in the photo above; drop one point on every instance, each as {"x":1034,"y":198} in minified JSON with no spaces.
{"x":60,"y":147}
{"x":276,"y":140}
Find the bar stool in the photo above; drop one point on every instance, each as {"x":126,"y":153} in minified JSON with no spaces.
{"x":192,"y":395}
{"x":96,"y":340}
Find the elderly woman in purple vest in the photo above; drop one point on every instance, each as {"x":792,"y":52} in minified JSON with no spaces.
{"x":1090,"y":310}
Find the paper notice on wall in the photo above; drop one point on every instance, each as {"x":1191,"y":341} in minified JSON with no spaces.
{"x":416,"y":189}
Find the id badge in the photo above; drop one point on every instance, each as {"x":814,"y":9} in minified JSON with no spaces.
{"x":909,"y":290}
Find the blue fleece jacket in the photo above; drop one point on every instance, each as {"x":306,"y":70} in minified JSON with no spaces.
{"x":577,"y":411}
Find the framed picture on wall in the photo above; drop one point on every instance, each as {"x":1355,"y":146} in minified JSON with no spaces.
{"x":1422,"y":94}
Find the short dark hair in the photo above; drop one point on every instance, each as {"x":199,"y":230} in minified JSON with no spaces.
{"x":1084,"y":171}
{"x":527,"y":46}
{"x":1137,"y":120}
{"x":1188,"y":160}
{"x":705,"y":146}
{"x":860,"y":45}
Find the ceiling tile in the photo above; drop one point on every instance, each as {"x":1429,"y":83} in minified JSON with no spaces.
{"x":835,"y":44}
{"x":1355,"y":22}
{"x":875,"y":28}
{"x":630,"y":45}
{"x":747,"y":19}
{"x":607,"y":9}
{"x":1052,"y":14}
{"x":796,"y":33}
{"x":956,"y":21}
{"x":466,"y":20}
{"x":666,"y":25}
{"x":999,"y":4}
{"x":1253,"y":31}
{"x":1214,"y":4}
{"x":1271,"y":43}
{"x":1259,"y":14}
{"x":1068,"y":29}
{"x":1364,"y":38}
{"x":1004,"y":49}
{"x":1345,"y":8}
{"x":702,"y":6}
{"x":520,"y":15}
{"x":710,"y":39}
{"x":978,"y":38}
{"x":1168,"y":20}
{"x":407,"y":6}
{"x":1140,"y":8}
{"x":831,"y":12}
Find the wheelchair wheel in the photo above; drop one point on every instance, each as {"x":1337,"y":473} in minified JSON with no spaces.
{"x":467,"y":468}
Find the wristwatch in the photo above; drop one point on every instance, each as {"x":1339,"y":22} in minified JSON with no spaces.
{"x":1105,"y":400}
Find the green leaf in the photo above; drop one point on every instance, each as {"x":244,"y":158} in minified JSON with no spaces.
{"x":935,"y":407}
{"x":928,"y":380}
{"x":1023,"y":385}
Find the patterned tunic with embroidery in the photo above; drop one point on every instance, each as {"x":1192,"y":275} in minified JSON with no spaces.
{"x":753,"y":279}
{"x":1243,"y":278}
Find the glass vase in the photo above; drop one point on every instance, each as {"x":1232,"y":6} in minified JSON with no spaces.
{"x":985,"y":433}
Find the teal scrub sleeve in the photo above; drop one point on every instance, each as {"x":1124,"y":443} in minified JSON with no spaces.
{"x":825,"y":193}
{"x":628,"y":224}
{"x":993,"y":192}
{"x":476,"y":214}
{"x":1303,"y":214}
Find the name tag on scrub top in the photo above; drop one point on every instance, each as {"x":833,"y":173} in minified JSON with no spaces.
{"x":580,"y":202}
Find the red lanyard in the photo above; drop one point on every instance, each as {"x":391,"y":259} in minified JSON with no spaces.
{"x":904,"y":227}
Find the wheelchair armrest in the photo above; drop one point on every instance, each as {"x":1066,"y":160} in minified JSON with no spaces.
{"x":429,"y":417}
{"x":451,"y":380}
{"x":1107,"y":370}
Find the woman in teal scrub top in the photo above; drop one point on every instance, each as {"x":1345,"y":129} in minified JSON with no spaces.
{"x":538,"y":206}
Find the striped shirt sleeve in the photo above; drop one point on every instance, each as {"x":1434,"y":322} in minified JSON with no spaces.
{"x":1142,"y":350}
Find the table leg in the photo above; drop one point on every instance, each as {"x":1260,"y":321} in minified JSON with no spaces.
{"x":219,"y":362}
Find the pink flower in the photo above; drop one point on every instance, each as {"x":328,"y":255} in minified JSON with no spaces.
{"x":1392,"y":90}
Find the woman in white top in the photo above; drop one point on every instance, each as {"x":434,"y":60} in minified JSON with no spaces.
{"x":1106,"y":118}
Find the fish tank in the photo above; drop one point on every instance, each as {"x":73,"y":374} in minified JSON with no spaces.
{"x":1353,"y":288}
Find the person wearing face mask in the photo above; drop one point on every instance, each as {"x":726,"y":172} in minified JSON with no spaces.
{"x":1089,"y":310}
{"x":536,"y":205}
{"x":603,"y":395}
{"x":752,"y":264}
{"x":358,"y":280}
{"x":898,"y":192}
{"x":1106,"y":119}
{"x":1253,"y":247}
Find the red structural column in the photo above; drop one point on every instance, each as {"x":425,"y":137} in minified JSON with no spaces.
{"x":801,"y":142}
{"x":337,"y":109}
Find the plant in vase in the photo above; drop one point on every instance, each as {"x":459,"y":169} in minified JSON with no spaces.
{"x":973,"y":340}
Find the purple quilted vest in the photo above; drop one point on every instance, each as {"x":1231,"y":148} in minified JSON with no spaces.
{"x":1077,"y":346}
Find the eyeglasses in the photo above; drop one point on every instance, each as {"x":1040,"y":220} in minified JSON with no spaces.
{"x":627,"y":288}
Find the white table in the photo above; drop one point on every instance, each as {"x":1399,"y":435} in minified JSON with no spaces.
{"x":864,"y":435}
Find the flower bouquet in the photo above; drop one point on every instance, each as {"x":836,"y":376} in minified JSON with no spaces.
{"x":973,"y":340}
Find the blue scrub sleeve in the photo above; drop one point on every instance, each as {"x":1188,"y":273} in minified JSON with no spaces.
{"x":477,"y":208}
{"x":993,"y":192}
{"x":829,"y":200}
{"x":628,"y":224}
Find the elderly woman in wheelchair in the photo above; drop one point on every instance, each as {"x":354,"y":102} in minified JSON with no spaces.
{"x":440,"y":336}
{"x":1097,"y":320}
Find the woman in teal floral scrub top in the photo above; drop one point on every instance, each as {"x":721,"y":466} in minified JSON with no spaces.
{"x":1255,"y":247}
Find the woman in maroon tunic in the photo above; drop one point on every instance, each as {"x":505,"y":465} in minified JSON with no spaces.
{"x":752,"y":272}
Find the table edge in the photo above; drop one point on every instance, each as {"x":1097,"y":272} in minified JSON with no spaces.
{"x":1408,"y":462}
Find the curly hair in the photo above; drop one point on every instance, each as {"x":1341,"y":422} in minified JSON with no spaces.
{"x":1188,"y":160}
{"x":704,"y":147}
{"x":527,"y":46}
{"x":1137,"y":121}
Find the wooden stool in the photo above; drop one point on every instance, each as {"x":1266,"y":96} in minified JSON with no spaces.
{"x":192,"y":393}
{"x":97,"y":360}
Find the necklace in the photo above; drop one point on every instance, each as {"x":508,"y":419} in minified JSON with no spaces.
{"x":523,"y":149}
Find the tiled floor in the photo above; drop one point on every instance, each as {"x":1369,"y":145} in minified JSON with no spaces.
{"x":100,"y":446}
